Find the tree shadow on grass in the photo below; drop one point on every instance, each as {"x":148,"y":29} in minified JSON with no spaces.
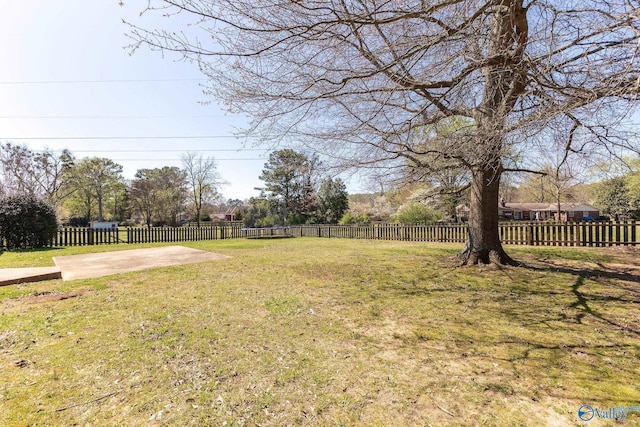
{"x":630,"y":275}
{"x":587,"y":371}
{"x":602,"y":322}
{"x":607,"y":277}
{"x":550,"y":331}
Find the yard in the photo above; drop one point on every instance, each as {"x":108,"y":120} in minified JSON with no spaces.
{"x":325,"y":332}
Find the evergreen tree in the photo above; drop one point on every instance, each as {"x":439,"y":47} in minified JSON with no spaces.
{"x":333,"y":201}
{"x":289,"y":178}
{"x":613,"y":197}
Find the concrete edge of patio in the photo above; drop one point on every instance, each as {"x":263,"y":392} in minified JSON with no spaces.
{"x":14,"y":276}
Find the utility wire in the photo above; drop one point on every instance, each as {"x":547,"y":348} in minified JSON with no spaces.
{"x":168,"y":151}
{"x":204,"y":116}
{"x":177,"y":160}
{"x":25,"y":138}
{"x":42,"y":82}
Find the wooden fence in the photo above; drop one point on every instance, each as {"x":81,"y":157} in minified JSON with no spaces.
{"x":81,"y":236}
{"x":454,"y":233}
{"x":87,"y":236}
{"x":266,"y":232}
{"x":513,"y":233}
{"x":596,"y":234}
{"x":182,"y":234}
{"x":592,"y":234}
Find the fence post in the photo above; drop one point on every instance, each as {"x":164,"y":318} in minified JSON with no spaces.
{"x":530,"y":235}
{"x":90,"y":239}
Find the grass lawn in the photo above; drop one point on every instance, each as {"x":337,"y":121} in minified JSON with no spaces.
{"x":325,"y":332}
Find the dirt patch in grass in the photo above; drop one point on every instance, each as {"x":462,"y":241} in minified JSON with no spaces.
{"x":25,"y":301}
{"x":51,"y":296}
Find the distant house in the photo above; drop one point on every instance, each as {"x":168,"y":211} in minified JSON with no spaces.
{"x":229,"y":215}
{"x":537,"y":211}
{"x":547,"y":211}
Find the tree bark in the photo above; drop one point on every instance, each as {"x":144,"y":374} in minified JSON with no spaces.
{"x":503,"y":83}
{"x":483,"y":243}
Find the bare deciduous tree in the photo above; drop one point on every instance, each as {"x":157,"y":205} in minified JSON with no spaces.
{"x":94,"y":178}
{"x":35,"y":173}
{"x":356,"y":79}
{"x":144,"y":195}
{"x":202,"y":178}
{"x":159,"y":194}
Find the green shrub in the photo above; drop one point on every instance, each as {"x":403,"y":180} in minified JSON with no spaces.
{"x":357,"y":219}
{"x":268,"y":221}
{"x":26,"y":222}
{"x":416,"y":213}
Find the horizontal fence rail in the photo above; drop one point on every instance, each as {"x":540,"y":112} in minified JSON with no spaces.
{"x":86,"y":236}
{"x":266,"y":232}
{"x":182,"y":234}
{"x":586,"y":234}
{"x":82,"y":236}
{"x":452,"y":233}
{"x":589,"y":234}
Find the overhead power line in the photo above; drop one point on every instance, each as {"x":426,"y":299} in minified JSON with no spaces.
{"x":239,"y":150}
{"x":203,"y":116}
{"x":40,"y":82}
{"x":175,"y":159}
{"x":39,"y":138}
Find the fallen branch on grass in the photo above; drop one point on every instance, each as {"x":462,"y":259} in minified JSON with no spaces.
{"x":97,"y":399}
{"x":445,"y":411}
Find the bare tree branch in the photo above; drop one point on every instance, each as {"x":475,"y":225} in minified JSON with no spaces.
{"x":357,"y":80}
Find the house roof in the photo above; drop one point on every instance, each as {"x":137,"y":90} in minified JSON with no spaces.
{"x":549,"y":207}
{"x":540,"y":207}
{"x":526,"y":206}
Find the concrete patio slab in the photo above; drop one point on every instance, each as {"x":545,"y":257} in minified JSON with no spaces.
{"x":107,"y":263}
{"x":13,"y":276}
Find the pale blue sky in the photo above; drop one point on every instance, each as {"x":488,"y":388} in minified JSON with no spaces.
{"x":66,"y":73}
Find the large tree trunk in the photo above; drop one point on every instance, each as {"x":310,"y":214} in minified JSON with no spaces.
{"x":483,"y":243}
{"x":504,"y":81}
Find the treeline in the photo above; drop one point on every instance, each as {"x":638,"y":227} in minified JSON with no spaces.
{"x":296,"y":192}
{"x":88,"y":189}
{"x":83,"y":190}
